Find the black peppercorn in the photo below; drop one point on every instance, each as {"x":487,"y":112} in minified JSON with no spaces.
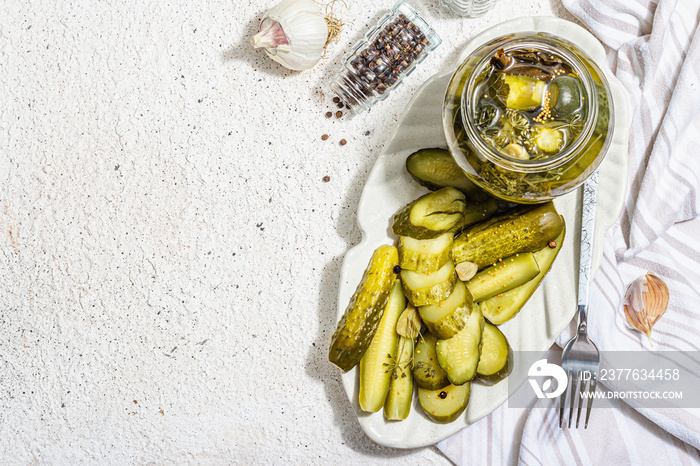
{"x":397,"y":268}
{"x":443,"y":395}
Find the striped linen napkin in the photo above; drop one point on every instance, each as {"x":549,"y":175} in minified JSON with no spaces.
{"x":653,"y":47}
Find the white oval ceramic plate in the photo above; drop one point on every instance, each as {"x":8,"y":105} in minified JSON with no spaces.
{"x":389,"y":187}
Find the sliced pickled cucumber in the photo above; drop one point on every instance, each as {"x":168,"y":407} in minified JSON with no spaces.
{"x":422,"y":289}
{"x":435,"y":168}
{"x":496,"y":359}
{"x":426,"y":370}
{"x":524,"y":92}
{"x":444,"y":405}
{"x":459,"y":356}
{"x":376,"y":365}
{"x":523,"y":229}
{"x":502,"y":308}
{"x":356,"y":328}
{"x":503,"y":276}
{"x":446,"y":318}
{"x":431,"y":215}
{"x":549,"y":139}
{"x":425,"y":255}
{"x":398,"y":400}
{"x":480,"y":207}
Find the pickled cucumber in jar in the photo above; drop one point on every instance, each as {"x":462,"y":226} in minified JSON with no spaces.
{"x":529,"y":104}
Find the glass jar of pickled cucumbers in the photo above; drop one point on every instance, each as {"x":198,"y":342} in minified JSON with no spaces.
{"x":528,"y":117}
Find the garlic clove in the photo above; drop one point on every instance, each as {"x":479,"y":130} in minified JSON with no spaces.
{"x":646,"y":300}
{"x":271,"y":35}
{"x":409,"y":323}
{"x":466,"y":270}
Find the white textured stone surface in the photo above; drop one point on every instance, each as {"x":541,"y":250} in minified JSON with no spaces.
{"x":168,"y":250}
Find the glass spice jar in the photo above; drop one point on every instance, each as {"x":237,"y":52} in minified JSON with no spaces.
{"x":470,"y":8}
{"x":528,"y":117}
{"x":378,"y":63}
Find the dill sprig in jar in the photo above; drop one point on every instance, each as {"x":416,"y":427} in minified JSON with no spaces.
{"x":528,"y":117}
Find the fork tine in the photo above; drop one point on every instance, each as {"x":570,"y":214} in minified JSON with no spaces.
{"x":580,"y":397}
{"x":574,"y":377}
{"x":562,"y":400}
{"x":591,"y":391}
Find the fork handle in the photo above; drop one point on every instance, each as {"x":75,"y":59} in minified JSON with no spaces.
{"x":588,"y":207}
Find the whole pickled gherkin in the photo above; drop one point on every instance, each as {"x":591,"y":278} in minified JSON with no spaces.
{"x":523,"y":229}
{"x":425,"y":255}
{"x":356,"y":328}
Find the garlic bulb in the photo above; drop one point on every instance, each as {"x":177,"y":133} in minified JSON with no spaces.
{"x":293,"y":33}
{"x":646,"y":300}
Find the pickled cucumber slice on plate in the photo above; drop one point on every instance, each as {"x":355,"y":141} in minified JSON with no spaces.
{"x":425,"y":255}
{"x":446,"y":318}
{"x":431,"y":215}
{"x":426,"y":371}
{"x":500,"y":309}
{"x":523,"y":229}
{"x":376,"y":366}
{"x":459,"y":356}
{"x":356,"y":328}
{"x":435,"y":168}
{"x":496,"y":359}
{"x":398,"y":401}
{"x":444,"y":404}
{"x":504,"y":275}
{"x":422,"y":289}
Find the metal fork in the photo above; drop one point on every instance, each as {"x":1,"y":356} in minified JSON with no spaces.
{"x":581,"y":358}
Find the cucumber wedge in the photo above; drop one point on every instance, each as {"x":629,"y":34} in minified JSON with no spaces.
{"x":356,"y":328}
{"x":444,"y":405}
{"x":445,"y":319}
{"x":425,"y":255}
{"x":502,"y":308}
{"x":435,"y":169}
{"x":376,"y":366}
{"x":496,"y":359}
{"x":524,"y":92}
{"x":459,"y":356}
{"x":400,"y":396}
{"x":423,"y":289}
{"x":426,"y":370}
{"x":431,"y":215}
{"x":503,"y":276}
{"x":523,"y":229}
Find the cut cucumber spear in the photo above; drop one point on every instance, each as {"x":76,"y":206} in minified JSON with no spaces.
{"x":376,"y":366}
{"x":500,"y":309}
{"x":504,"y":275}
{"x":400,"y":396}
